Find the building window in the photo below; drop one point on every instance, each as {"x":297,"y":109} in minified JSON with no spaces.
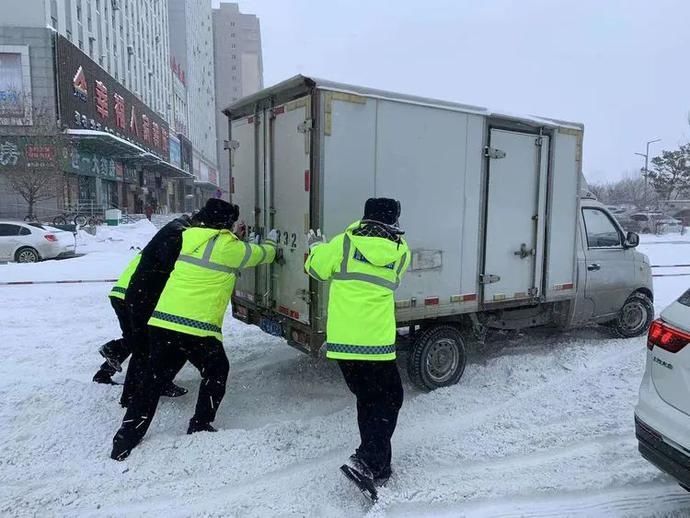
{"x":91,"y":48}
{"x":234,"y":56}
{"x":79,"y":10}
{"x":234,"y":46}
{"x":69,"y":34}
{"x":232,"y":34}
{"x":54,"y":22}
{"x":234,"y":67}
{"x":81,"y":45}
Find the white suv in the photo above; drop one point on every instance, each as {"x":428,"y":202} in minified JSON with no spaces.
{"x":662,"y":415}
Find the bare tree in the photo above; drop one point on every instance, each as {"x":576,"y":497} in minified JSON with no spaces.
{"x":31,"y":162}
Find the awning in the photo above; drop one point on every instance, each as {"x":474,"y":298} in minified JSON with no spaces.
{"x":205,"y":185}
{"x":111,"y":146}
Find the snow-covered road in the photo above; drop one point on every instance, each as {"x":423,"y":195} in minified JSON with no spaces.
{"x":540,"y":425}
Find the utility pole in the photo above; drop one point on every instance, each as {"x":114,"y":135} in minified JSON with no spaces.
{"x":645,"y":172}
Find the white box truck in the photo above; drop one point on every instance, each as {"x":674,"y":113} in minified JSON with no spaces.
{"x":501,"y":235}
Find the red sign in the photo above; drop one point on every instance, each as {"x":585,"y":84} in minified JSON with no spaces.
{"x":79,"y":85}
{"x":147,"y":128}
{"x":102,"y":99}
{"x":119,"y":111}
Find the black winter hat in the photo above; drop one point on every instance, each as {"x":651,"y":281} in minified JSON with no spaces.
{"x":383,"y":210}
{"x":218,"y":213}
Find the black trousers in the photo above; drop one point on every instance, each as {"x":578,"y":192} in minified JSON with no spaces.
{"x":169,"y":351}
{"x":140,"y":306}
{"x":119,"y":349}
{"x":379,"y":392}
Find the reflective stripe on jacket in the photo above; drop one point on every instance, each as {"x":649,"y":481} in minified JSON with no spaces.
{"x":197,"y":294}
{"x":120,"y":287}
{"x":364,"y":274}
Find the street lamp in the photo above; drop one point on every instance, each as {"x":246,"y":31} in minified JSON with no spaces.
{"x":646,"y":168}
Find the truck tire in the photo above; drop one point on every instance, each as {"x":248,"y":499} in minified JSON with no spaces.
{"x":635,"y":316}
{"x":437,"y":358}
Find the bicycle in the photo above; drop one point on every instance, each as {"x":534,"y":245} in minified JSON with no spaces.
{"x":75,"y":218}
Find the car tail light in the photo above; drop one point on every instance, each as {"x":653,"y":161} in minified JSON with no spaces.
{"x":51,"y":238}
{"x":667,"y":337}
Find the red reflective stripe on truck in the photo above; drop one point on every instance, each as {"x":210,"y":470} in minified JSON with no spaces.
{"x":284,"y":311}
{"x":232,"y":185}
{"x":278,"y":110}
{"x":307,"y":180}
{"x":431,"y":301}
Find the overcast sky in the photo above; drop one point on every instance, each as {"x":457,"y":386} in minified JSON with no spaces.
{"x":620,"y":67}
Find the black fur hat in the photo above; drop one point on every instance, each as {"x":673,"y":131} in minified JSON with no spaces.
{"x":383,"y":210}
{"x":218,"y":213}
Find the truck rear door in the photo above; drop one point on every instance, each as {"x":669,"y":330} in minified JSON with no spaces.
{"x":289,"y":182}
{"x":245,"y":132}
{"x":515,"y":216}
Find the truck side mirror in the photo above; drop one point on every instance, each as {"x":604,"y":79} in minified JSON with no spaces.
{"x":632,"y":240}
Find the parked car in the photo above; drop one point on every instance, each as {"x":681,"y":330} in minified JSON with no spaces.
{"x":616,"y":210}
{"x":662,"y":415}
{"x":32,"y":242}
{"x":684,"y":216}
{"x":668,"y":225}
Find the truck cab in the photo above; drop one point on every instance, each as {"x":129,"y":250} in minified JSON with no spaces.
{"x":614,"y":279}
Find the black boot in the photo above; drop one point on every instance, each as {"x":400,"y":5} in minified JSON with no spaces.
{"x":122,"y":447}
{"x":196,"y":426}
{"x":173,"y":390}
{"x":103,"y":377}
{"x":382,"y":477}
{"x":105,"y":351}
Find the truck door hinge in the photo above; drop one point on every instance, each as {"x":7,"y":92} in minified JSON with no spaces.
{"x":488,"y":278}
{"x":304,"y":127}
{"x":493,"y":153}
{"x":538,"y":141}
{"x":533,"y":292}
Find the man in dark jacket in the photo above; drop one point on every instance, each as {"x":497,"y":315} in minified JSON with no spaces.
{"x":157,"y":261}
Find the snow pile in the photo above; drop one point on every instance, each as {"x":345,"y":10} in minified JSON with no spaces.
{"x":123,"y":236}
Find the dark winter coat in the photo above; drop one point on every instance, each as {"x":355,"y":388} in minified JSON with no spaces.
{"x":157,"y":262}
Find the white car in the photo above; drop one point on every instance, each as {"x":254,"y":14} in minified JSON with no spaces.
{"x":662,"y":415}
{"x":31,"y":242}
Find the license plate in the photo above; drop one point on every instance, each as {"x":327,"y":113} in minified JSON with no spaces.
{"x":271,"y":327}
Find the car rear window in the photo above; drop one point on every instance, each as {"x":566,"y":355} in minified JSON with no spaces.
{"x":37,"y":225}
{"x":685,"y":298}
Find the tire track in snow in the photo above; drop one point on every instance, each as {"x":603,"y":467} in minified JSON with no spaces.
{"x":649,"y":500}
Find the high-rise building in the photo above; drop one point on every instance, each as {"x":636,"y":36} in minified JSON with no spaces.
{"x":238,"y":68}
{"x":191,"y":49}
{"x":128,"y":39}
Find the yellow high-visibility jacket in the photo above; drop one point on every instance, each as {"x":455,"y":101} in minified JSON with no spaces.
{"x":197,"y":294}
{"x":364,"y":274}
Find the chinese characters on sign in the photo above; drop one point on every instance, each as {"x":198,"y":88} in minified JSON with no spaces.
{"x":39,"y":157}
{"x":92,"y":99}
{"x":9,"y":153}
{"x":102,"y":99}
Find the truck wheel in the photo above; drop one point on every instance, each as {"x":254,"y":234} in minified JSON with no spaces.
{"x":635,"y":316}
{"x":437,"y":358}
